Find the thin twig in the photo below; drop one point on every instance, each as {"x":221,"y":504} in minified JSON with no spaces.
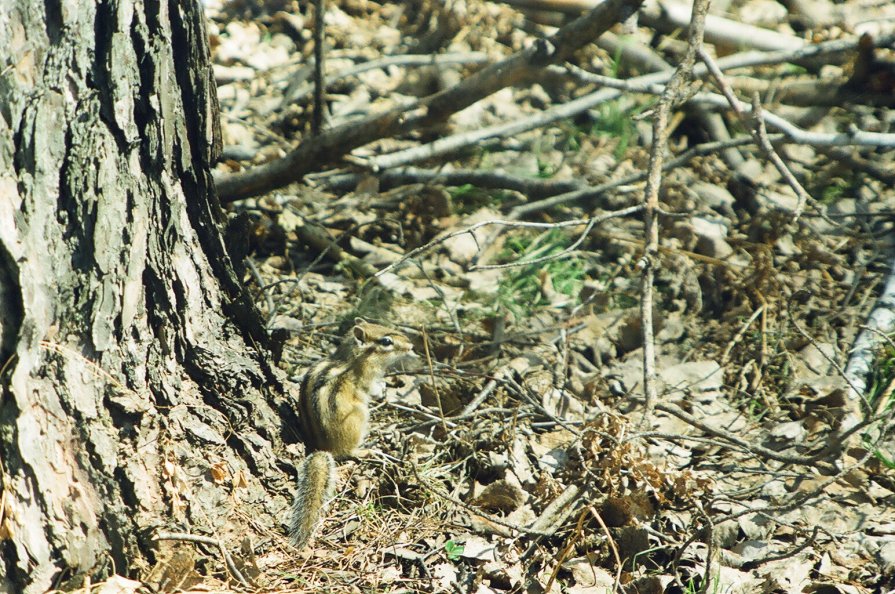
{"x":451,"y":144}
{"x":739,"y":335}
{"x":835,"y":443}
{"x":758,"y":131}
{"x":319,"y":76}
{"x":709,"y":539}
{"x":679,"y":553}
{"x":228,"y":560}
{"x":673,"y":91}
{"x":833,"y":363}
{"x":528,"y":186}
{"x":428,"y":486}
{"x":516,"y":69}
{"x":852,"y":137}
{"x":565,"y":551}
{"x":567,"y":251}
{"x":791,"y":553}
{"x":618,"y":560}
{"x":386,"y":62}
{"x":592,"y":192}
{"x":799,"y":499}
{"x":559,"y":191}
{"x":265,"y":290}
{"x":502,"y":222}
{"x":650,"y":84}
{"x":485,"y":392}
{"x":433,"y":383}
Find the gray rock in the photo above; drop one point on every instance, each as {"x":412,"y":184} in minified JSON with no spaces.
{"x":711,"y":238}
{"x":715,"y":197}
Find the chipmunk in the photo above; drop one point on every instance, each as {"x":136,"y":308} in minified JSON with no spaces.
{"x":333,"y":412}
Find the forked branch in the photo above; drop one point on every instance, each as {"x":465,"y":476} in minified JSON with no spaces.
{"x":516,"y":69}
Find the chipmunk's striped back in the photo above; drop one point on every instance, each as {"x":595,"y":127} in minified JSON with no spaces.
{"x":334,"y":394}
{"x":333,"y":413}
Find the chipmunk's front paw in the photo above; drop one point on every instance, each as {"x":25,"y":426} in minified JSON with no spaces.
{"x":362,"y":453}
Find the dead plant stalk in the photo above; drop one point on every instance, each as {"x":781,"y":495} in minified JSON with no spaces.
{"x":673,"y":91}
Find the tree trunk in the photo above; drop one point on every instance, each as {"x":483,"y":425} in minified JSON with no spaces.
{"x":135,"y":374}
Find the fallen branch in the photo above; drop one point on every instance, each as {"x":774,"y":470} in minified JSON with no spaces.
{"x":298,"y":93}
{"x":853,"y":137}
{"x":531,"y":187}
{"x":517,"y":69}
{"x":880,"y":324}
{"x":317,"y":237}
{"x":592,"y":192}
{"x":670,"y":17}
{"x":718,"y":30}
{"x":833,"y":446}
{"x":811,"y":93}
{"x":554,"y":515}
{"x":551,"y":192}
{"x":643,"y":84}
{"x":648,"y":83}
{"x":758,"y":132}
{"x":551,"y":257}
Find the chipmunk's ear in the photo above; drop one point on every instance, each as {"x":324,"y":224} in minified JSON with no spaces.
{"x":360,"y":332}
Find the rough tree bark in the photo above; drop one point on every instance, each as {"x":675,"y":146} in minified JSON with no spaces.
{"x":136,"y":383}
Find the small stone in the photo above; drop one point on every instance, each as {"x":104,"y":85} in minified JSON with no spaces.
{"x":711,"y":238}
{"x":715,"y":197}
{"x":788,"y":202}
{"x":845,"y":206}
{"x":886,"y":556}
{"x":762,"y":12}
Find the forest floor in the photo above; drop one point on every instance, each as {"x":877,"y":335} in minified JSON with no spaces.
{"x":517,"y":453}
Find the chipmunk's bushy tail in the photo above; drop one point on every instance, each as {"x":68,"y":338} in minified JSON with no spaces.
{"x":316,"y":481}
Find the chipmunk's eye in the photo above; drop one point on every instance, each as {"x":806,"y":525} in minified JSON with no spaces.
{"x":386,"y":341}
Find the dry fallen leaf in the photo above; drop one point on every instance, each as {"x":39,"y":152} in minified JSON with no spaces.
{"x":117,"y":584}
{"x":476,"y":547}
